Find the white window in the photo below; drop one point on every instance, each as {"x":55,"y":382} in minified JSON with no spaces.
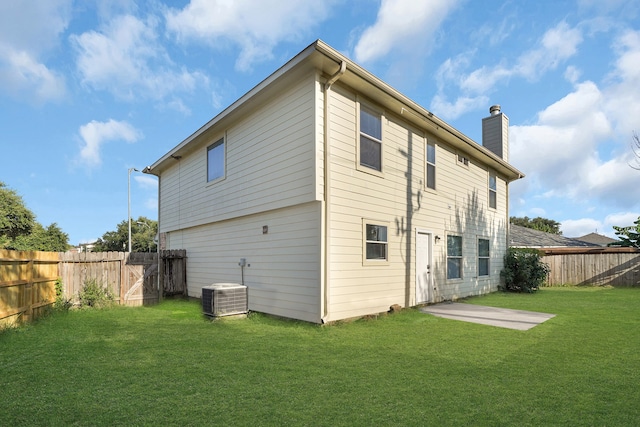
{"x":370,"y":139}
{"x":375,"y":242}
{"x":454,"y":257}
{"x":215,"y":161}
{"x":483,"y":257}
{"x":431,"y":166}
{"x":493,"y":191}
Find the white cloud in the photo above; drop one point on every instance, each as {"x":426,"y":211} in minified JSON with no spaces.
{"x":21,"y":74}
{"x":622,"y":219}
{"x":560,"y":151}
{"x":556,"y":46}
{"x":94,"y":134}
{"x":402,"y":24}
{"x":572,"y":74}
{"x":257,"y":27}
{"x":26,"y":35}
{"x":448,"y":110}
{"x":126,"y":59}
{"x":579,"y":149}
{"x":538,"y":212}
{"x":146,"y":181}
{"x":623,"y":94}
{"x":580,"y":227}
{"x":33,"y":26}
{"x":484,"y":79}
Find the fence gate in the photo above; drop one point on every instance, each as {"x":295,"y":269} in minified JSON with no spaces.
{"x":173,"y":266}
{"x":139,"y":280}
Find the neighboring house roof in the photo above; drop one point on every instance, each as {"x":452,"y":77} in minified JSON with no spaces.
{"x":523,"y":237}
{"x":597,"y":239}
{"x":330,"y":62}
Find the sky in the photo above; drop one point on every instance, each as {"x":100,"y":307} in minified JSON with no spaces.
{"x":90,"y":89}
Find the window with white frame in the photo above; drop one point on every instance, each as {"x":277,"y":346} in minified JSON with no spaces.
{"x":454,"y":257}
{"x":370,"y":139}
{"x":483,"y":257}
{"x":215,"y":161}
{"x":431,"y":166}
{"x":376,"y":243}
{"x":493,"y":191}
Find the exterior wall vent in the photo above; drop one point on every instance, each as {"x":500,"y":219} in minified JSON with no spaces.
{"x":224,"y":299}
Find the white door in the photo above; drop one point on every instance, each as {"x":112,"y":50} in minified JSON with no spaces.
{"x":423,"y":268}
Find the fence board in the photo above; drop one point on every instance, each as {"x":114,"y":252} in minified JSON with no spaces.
{"x":27,"y":284}
{"x":27,"y":279}
{"x":594,"y":268}
{"x":173,"y":271}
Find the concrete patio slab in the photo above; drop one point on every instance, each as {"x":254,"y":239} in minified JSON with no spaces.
{"x":494,"y":316}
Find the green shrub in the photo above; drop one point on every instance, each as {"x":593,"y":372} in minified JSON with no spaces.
{"x":94,"y":294}
{"x":61,"y":303}
{"x":523,"y":270}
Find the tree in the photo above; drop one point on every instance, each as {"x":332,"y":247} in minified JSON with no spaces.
{"x":143,"y":233}
{"x":538,"y":223}
{"x":19,"y":229}
{"x":51,"y":239}
{"x":629,"y":236}
{"x":15,"y":218}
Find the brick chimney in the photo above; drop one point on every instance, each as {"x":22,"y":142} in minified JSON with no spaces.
{"x":495,"y":132}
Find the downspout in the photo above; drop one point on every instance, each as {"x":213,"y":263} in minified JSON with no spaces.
{"x":327,"y":188}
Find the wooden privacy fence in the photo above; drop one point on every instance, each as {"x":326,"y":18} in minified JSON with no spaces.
{"x":27,"y":279}
{"x":593,"y":266}
{"x":27,"y":284}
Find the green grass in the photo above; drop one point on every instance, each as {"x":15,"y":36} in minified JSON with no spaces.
{"x":168,"y":365}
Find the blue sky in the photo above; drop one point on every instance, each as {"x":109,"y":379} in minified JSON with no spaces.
{"x":89,"y":89}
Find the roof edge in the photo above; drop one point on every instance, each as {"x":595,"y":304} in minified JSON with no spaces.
{"x":321,"y":47}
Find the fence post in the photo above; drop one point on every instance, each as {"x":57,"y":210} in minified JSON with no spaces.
{"x":123,"y":275}
{"x":28,"y":289}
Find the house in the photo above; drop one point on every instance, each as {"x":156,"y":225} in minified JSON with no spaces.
{"x":597,"y":239}
{"x":524,"y":237}
{"x":330,"y":195}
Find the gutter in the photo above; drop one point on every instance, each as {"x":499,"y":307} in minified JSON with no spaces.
{"x":455,"y":137}
{"x":327,"y":190}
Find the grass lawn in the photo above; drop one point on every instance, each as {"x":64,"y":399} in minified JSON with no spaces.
{"x":168,"y":365}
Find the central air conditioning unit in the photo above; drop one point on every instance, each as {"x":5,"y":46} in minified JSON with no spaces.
{"x":224,"y":299}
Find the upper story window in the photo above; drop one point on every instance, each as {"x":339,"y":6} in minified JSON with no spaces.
{"x":376,"y":243}
{"x":370,"y":139}
{"x":454,"y":257}
{"x":483,"y":257}
{"x":431,"y":165}
{"x":493,"y":191}
{"x":215,"y":161}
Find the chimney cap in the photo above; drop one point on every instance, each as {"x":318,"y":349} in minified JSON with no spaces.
{"x":494,"y":110}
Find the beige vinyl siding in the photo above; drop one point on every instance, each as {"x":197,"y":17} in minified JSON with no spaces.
{"x":319,"y":138}
{"x":462,"y":201}
{"x":283,"y":272}
{"x":270,"y":164}
{"x":399,"y":200}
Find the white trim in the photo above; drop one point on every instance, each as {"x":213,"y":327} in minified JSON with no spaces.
{"x":365,"y":260}
{"x":223,"y":141}
{"x":432,"y":282}
{"x":375,"y":110}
